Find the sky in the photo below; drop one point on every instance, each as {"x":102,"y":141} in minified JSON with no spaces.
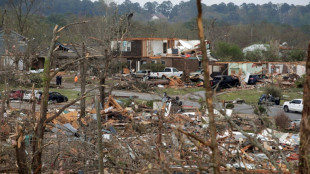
{"x":237,"y":2}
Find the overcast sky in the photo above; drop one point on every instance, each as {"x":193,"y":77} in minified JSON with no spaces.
{"x":237,"y":2}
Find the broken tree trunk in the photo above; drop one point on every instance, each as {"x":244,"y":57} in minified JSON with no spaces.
{"x":83,"y":81}
{"x":37,"y":141}
{"x":103,"y":76}
{"x":304,"y":148}
{"x":214,"y":146}
{"x":20,"y":150}
{"x":99,"y":136}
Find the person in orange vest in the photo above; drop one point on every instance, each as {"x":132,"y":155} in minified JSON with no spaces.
{"x":76,"y":79}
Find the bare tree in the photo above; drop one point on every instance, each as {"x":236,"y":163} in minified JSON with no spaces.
{"x":214,"y":145}
{"x":304,"y":148}
{"x":23,"y":9}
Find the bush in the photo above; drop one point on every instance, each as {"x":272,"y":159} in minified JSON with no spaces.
{"x":153,"y":67}
{"x":274,"y":91}
{"x":116,"y":67}
{"x":259,"y":110}
{"x":228,"y":51}
{"x":36,"y":79}
{"x":300,"y":82}
{"x":150,"y":103}
{"x":230,"y":106}
{"x":282,"y":121}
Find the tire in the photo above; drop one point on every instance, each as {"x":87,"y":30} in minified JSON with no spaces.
{"x":286,"y":109}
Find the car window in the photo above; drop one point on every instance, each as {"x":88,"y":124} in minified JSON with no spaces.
{"x":228,"y":78}
{"x":297,"y":101}
{"x":167,"y":70}
{"x":175,"y":70}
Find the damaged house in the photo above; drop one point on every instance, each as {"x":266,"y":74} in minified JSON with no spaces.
{"x":13,"y":47}
{"x":172,"y":52}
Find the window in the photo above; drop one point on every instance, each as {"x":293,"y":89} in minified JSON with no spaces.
{"x":154,"y":61}
{"x":175,"y":70}
{"x":165,"y":47}
{"x":296,"y":101}
{"x":167,"y":70}
{"x":163,"y":62}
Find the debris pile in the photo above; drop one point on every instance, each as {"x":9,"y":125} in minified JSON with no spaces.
{"x":167,"y":132}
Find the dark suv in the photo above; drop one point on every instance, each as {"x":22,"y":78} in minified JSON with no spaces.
{"x":253,"y":79}
{"x":256,"y":78}
{"x":56,"y":96}
{"x":224,"y":81}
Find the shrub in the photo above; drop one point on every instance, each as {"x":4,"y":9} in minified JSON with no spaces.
{"x":259,"y":110}
{"x":36,"y":79}
{"x":300,"y":82}
{"x":282,"y":121}
{"x":228,"y":51}
{"x":274,"y":91}
{"x":230,"y":106}
{"x":150,"y":103}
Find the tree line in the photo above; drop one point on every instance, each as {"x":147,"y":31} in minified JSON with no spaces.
{"x":238,"y":26}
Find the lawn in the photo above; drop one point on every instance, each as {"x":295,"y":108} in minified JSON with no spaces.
{"x":178,"y":91}
{"x":251,"y":96}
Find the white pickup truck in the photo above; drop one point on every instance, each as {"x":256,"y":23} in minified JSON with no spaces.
{"x":168,"y":72}
{"x":294,"y":105}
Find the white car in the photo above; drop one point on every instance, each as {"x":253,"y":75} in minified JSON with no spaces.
{"x":168,"y":72}
{"x":294,"y":105}
{"x":27,"y":95}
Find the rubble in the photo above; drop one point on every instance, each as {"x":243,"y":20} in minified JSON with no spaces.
{"x":130,"y":132}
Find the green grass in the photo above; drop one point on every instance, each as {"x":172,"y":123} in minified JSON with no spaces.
{"x":71,"y":94}
{"x":179,"y":91}
{"x":251,"y":96}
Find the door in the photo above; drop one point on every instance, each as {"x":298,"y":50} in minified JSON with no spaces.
{"x":299,"y":105}
{"x":294,"y":105}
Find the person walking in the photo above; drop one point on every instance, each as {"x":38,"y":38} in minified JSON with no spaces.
{"x":57,"y":80}
{"x":76,"y":79}
{"x":60,"y":80}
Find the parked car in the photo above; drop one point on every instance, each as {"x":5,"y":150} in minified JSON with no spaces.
{"x":17,"y":94}
{"x":224,"y":81}
{"x":256,"y":78}
{"x":56,"y":96}
{"x":142,"y":73}
{"x":253,"y":79}
{"x":268,"y":100}
{"x":198,"y":72}
{"x":28,"y":93}
{"x":168,"y":72}
{"x":294,"y":105}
